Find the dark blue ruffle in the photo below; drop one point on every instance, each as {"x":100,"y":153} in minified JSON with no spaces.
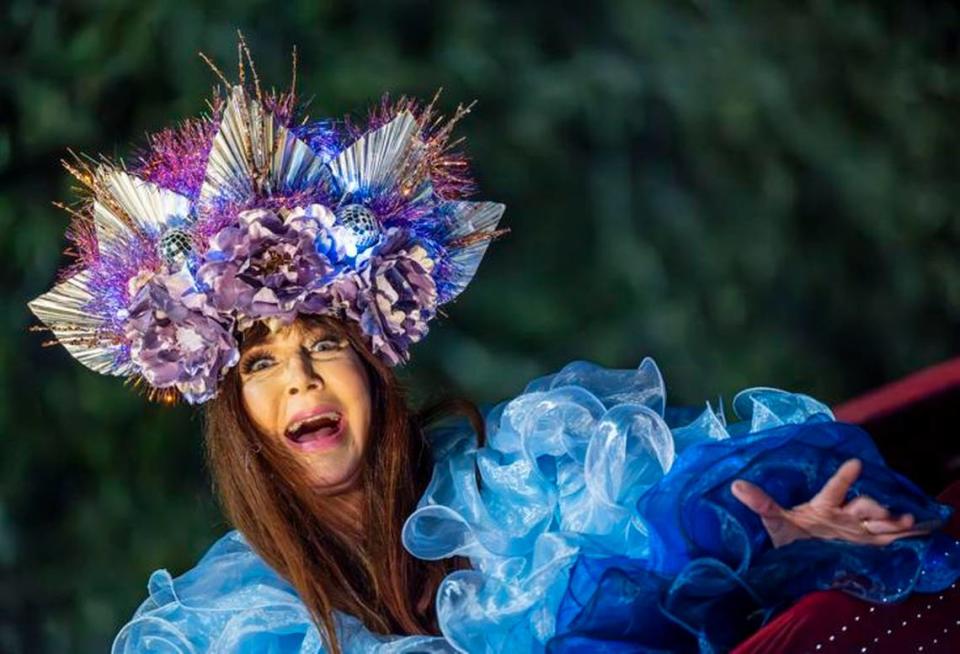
{"x":712,"y":577}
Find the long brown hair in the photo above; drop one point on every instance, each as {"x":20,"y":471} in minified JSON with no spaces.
{"x":266,"y":495}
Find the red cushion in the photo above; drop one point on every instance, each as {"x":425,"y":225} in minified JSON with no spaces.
{"x":832,"y":621}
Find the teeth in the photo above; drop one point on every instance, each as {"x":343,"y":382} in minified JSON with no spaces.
{"x":329,"y":415}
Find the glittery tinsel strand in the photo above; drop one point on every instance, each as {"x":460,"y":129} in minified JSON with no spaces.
{"x":176,"y":158}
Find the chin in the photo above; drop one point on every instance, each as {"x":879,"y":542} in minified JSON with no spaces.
{"x":338,"y":480}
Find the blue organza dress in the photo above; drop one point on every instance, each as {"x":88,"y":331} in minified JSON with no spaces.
{"x":604,"y":523}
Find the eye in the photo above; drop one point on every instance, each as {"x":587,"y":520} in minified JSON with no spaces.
{"x":326,"y":345}
{"x":257,"y":363}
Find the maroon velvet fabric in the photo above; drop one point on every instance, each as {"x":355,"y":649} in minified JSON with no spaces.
{"x":831,"y":621}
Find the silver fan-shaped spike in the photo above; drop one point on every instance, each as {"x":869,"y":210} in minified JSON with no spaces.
{"x":149,"y":207}
{"x":112,"y":232}
{"x":469,"y":218}
{"x":373,"y":161}
{"x":253,"y":153}
{"x":62,"y":310}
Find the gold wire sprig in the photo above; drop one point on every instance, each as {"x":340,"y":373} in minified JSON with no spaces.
{"x":245,"y":60}
{"x":91,"y":174}
{"x":92,"y":189}
{"x":243,"y":50}
{"x":83,"y":169}
{"x":43,"y":328}
{"x":293,"y":72}
{"x":439,"y":127}
{"x":213,"y":67}
{"x":80,"y":336}
{"x":76,"y":215}
{"x":243,"y":53}
{"x":427,"y":157}
{"x":478,"y":237}
{"x":165,"y":396}
{"x":257,"y":118}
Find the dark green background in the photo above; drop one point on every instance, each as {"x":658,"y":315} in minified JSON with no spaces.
{"x":750,"y":192}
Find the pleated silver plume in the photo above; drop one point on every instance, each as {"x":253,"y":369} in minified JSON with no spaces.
{"x":253,"y":154}
{"x":126,"y":210}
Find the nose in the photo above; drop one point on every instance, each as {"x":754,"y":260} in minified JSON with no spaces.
{"x":301,"y":376}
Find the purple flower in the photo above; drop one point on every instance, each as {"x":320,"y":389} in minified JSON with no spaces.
{"x":392,"y":296}
{"x":176,"y":338}
{"x":265,"y":265}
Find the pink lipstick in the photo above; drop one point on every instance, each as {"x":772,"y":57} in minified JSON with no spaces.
{"x":316,"y":429}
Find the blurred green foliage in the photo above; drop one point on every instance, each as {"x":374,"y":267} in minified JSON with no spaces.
{"x":750,"y":192}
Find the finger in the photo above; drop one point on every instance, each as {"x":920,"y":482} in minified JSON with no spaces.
{"x":835,"y":490}
{"x":901,"y":524}
{"x":755,"y":499}
{"x":886,"y":539}
{"x":865,"y":507}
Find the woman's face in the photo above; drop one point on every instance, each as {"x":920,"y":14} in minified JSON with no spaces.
{"x":306,"y":387}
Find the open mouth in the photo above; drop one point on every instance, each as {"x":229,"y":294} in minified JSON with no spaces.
{"x":317,"y":429}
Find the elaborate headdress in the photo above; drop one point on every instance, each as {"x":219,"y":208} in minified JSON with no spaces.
{"x":250,"y":213}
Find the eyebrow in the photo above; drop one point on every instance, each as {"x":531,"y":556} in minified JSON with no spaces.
{"x":252,"y":349}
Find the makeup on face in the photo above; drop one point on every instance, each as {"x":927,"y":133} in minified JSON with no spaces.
{"x":305,"y":386}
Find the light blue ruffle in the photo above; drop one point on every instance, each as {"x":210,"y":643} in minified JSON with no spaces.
{"x":564,"y":466}
{"x":574,"y":481}
{"x":232,"y":602}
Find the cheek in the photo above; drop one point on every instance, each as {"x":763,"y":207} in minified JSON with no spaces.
{"x":362,"y":409}
{"x":357,"y":389}
{"x":261,"y":406}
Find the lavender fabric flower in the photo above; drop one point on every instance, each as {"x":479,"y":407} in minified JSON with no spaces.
{"x":267,"y":266}
{"x":391,"y":295}
{"x":177,"y":338}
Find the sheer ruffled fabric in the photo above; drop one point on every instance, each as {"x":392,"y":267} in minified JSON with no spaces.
{"x":712,"y":578}
{"x":232,"y":602}
{"x":602,"y":522}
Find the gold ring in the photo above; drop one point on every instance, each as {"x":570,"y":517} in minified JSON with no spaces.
{"x":863,"y":526}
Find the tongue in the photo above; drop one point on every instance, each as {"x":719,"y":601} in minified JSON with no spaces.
{"x":326,"y":430}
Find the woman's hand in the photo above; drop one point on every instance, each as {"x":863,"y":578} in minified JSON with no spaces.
{"x":861,"y":520}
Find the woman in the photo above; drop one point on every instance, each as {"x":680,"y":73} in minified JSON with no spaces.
{"x":336,"y":452}
{"x":275,"y":270}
